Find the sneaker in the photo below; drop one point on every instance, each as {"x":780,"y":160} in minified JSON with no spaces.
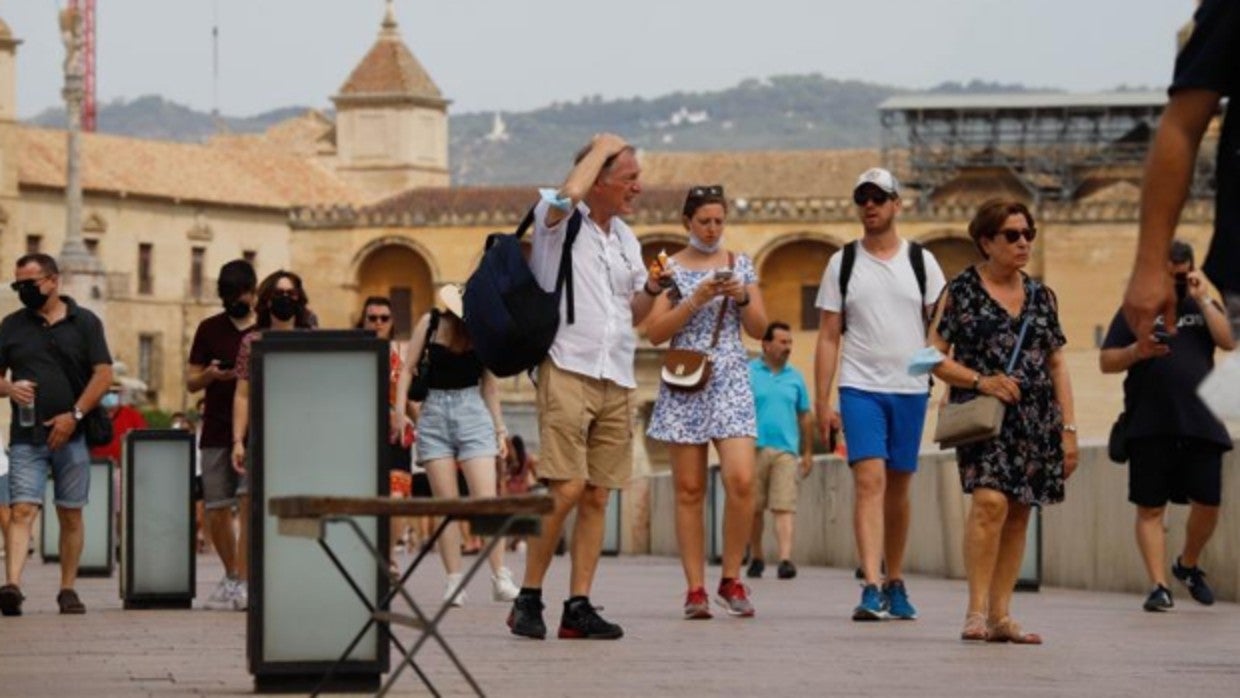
{"x":1195,"y":580}
{"x":221,"y":597}
{"x":451,"y":584}
{"x":873,"y":604}
{"x":786,"y":570}
{"x":69,"y":603}
{"x":1159,"y":600}
{"x":581,"y":621}
{"x":502,"y":586}
{"x":526,"y":618}
{"x":11,"y":600}
{"x":697,"y":604}
{"x":898,"y":606}
{"x":756,"y":568}
{"x":240,"y":596}
{"x":734,"y":597}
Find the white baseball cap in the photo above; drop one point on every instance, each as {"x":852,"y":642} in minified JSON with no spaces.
{"x":880,"y":178}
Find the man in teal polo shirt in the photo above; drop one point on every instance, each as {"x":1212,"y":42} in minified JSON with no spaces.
{"x":784,"y":429}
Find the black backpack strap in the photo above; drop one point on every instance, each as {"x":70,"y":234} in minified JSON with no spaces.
{"x":564,"y":280}
{"x":917,"y":257}
{"x":846,"y":269}
{"x":525,"y":223}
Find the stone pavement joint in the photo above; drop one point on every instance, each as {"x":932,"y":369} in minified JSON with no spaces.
{"x":801,"y":643}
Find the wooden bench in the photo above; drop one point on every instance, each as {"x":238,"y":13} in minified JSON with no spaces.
{"x":308,"y":517}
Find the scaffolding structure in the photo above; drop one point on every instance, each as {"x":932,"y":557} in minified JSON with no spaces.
{"x":1052,"y":144}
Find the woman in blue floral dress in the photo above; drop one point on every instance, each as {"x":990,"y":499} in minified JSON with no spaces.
{"x":704,"y":277}
{"x":981,"y":315}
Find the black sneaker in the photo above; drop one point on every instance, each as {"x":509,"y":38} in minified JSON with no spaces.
{"x":1159,"y":600}
{"x":581,"y":621}
{"x":526,"y":618}
{"x":786,"y":570}
{"x":1195,"y":580}
{"x":756,"y":568}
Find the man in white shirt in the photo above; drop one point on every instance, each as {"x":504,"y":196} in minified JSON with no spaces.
{"x":586,"y":382}
{"x":880,"y":313}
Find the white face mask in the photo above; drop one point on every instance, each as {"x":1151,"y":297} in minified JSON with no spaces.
{"x":697,"y":244}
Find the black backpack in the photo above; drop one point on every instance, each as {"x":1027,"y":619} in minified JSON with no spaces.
{"x":916,"y":257}
{"x":511,"y":320}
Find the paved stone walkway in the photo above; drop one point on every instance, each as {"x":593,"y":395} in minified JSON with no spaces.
{"x":801,"y":643}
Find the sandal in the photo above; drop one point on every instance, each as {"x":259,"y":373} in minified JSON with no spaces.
{"x":1008,"y":630}
{"x":975,"y":628}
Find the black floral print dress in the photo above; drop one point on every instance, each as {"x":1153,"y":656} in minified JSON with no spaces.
{"x":1026,"y":460}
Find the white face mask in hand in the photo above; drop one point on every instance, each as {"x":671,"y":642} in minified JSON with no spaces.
{"x":702,"y":247}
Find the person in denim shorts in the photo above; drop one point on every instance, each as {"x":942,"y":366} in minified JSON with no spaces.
{"x":459,"y":426}
{"x":39,"y":346}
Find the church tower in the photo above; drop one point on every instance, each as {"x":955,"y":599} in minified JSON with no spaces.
{"x":391,"y":120}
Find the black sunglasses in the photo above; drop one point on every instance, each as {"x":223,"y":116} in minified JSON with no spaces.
{"x":378,"y":318}
{"x":861,"y":197}
{"x":24,"y":283}
{"x":712,"y":191}
{"x":1012,"y":235}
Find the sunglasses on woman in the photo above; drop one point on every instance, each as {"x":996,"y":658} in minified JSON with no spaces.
{"x":1012,"y":234}
{"x":712,"y":191}
{"x":378,"y":318}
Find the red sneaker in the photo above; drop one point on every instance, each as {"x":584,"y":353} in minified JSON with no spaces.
{"x":697,"y":604}
{"x":734,"y":597}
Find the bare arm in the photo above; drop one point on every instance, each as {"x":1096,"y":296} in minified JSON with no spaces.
{"x":490,"y":395}
{"x":753,"y":316}
{"x":826,"y":359}
{"x":583,"y":174}
{"x":667,"y":319}
{"x":1168,"y":174}
{"x":198,"y":377}
{"x":409,"y":367}
{"x":100,"y":382}
{"x":957,"y":375}
{"x":1215,"y":316}
{"x":1063,"y":395}
{"x":1120,"y":359}
{"x":241,"y":423}
{"x":805,"y":422}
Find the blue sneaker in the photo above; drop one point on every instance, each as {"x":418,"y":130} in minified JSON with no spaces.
{"x":873,"y":605}
{"x":897,"y":601}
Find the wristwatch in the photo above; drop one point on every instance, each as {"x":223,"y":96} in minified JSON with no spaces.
{"x":1070,"y":428}
{"x":77,"y":414}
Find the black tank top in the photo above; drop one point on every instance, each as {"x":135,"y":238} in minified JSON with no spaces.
{"x":452,"y":371}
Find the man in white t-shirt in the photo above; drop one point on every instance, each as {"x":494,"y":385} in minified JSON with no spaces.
{"x":880,"y":310}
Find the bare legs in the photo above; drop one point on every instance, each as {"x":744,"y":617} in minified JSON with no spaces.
{"x":480,"y":475}
{"x":591,"y":503}
{"x":17,"y":542}
{"x":689,"y":471}
{"x":994,"y":544}
{"x":1152,"y":538}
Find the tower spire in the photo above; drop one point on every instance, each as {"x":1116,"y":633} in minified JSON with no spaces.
{"x":389,"y":18}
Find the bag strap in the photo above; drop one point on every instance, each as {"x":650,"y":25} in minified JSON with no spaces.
{"x":846,"y":269}
{"x":723,"y":307}
{"x":917,"y":258}
{"x":1020,"y":339}
{"x":431,"y":328}
{"x":564,"y":279}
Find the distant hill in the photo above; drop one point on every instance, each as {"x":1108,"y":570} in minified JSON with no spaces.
{"x":787,"y":112}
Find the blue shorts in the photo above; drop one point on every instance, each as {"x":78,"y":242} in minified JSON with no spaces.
{"x":455,"y":424}
{"x":69,"y":464}
{"x":883,"y":425}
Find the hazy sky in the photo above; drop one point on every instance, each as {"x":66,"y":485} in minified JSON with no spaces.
{"x":521,"y":54}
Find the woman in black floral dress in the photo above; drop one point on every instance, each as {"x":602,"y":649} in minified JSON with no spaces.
{"x":980,"y":318}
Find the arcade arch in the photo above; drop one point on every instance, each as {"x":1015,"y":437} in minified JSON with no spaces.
{"x":404,"y":276}
{"x":954,"y":254}
{"x":789,"y":275}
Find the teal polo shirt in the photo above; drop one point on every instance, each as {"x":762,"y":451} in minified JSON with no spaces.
{"x":780,"y":398}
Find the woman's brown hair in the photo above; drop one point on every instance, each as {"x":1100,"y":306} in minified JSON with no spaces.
{"x":991,"y":216}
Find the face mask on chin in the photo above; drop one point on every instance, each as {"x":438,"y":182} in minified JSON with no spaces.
{"x":696,"y":243}
{"x":32,"y":297}
{"x":283,"y":308}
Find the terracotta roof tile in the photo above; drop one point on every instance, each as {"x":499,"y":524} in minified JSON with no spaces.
{"x":389,"y":68}
{"x":501,"y":204}
{"x":762,"y":173}
{"x":220,"y":175}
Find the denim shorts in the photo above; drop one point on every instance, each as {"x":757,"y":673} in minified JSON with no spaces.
{"x":69,"y":464}
{"x":883,"y":425}
{"x":455,"y":424}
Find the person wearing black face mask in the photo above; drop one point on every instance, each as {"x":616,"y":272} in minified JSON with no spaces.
{"x":53,"y":357}
{"x":1175,"y":444}
{"x":214,"y":351}
{"x":281,"y":305}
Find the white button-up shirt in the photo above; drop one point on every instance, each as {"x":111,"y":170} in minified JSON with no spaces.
{"x":607,"y":272}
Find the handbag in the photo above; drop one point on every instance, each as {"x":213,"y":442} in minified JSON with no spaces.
{"x":979,"y":419}
{"x":1117,"y":442}
{"x":420,"y":386}
{"x":96,"y":425}
{"x":688,"y":370}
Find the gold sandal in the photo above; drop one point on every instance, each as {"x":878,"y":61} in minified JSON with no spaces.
{"x":1008,"y":630}
{"x":975,"y":628}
